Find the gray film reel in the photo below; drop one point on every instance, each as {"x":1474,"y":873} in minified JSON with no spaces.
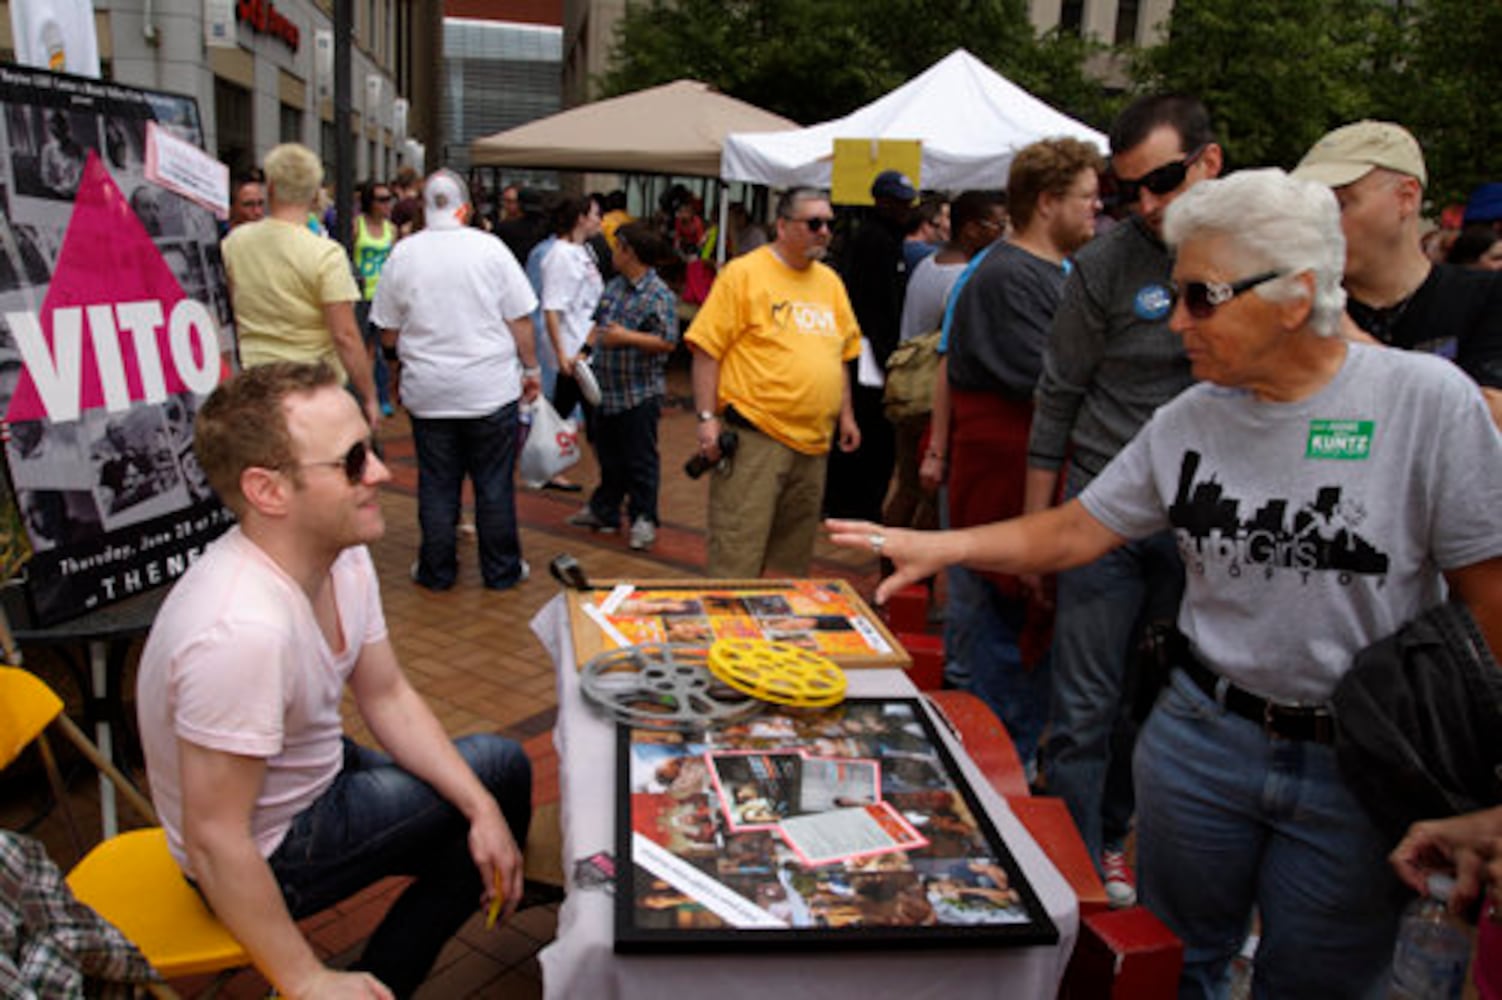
{"x":662,"y":686}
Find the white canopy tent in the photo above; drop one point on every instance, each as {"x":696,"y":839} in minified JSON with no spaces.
{"x":970,"y":119}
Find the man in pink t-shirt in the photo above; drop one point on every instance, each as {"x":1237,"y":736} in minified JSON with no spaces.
{"x":270,"y":810}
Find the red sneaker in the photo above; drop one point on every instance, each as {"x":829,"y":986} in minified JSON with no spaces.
{"x":1121,"y":887}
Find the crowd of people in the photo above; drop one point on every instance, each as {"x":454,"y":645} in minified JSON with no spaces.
{"x":1191,"y":455}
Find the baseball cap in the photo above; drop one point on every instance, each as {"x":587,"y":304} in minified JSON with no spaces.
{"x":444,"y":197}
{"x":1485,"y":203}
{"x":893,"y":184}
{"x":1349,"y":153}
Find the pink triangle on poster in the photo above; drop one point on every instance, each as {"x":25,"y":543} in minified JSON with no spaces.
{"x":107,"y":258}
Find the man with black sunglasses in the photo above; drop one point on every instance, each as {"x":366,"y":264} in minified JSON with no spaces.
{"x":269,"y":808}
{"x":770,"y":347}
{"x":1111,"y":360}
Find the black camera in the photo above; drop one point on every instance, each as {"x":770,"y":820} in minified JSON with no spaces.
{"x":699,"y":464}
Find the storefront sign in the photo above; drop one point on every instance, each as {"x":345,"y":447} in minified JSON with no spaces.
{"x":263,"y":18}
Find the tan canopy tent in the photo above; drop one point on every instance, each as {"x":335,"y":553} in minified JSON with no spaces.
{"x":677,"y":128}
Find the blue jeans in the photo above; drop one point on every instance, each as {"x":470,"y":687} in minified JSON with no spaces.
{"x":484,"y":449}
{"x":981,"y":632}
{"x":1229,"y":818}
{"x":381,"y":372}
{"x":377,"y":820}
{"x":1102,"y":608}
{"x":630,"y":468}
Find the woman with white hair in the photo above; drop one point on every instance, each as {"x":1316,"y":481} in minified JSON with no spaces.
{"x":1323,"y":493}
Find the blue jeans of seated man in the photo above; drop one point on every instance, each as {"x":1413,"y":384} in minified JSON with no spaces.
{"x":1229,"y":818}
{"x":1102,"y":608}
{"x":484,"y":449}
{"x":981,"y":632}
{"x":377,"y":820}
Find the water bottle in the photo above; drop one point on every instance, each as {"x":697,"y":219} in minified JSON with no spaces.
{"x":1434,"y":947}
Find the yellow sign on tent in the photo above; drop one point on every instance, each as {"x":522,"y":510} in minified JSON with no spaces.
{"x":858,"y":161}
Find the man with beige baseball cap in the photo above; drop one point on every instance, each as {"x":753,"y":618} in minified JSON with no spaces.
{"x":1394,"y":292}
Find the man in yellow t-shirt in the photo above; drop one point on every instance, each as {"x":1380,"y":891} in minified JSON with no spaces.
{"x":293,"y":291}
{"x":769,"y":348}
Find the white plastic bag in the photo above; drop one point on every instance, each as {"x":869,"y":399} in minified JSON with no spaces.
{"x":552,"y":444}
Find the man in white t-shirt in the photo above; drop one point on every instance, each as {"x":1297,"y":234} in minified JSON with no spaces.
{"x":458,"y":308}
{"x":268,"y":807}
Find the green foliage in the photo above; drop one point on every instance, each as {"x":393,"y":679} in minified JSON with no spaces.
{"x":1278,"y":74}
{"x":1446,"y":86}
{"x":813,"y":60}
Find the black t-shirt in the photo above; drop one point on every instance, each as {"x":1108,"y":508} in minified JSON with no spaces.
{"x":1001,"y":322}
{"x":1456,"y":313}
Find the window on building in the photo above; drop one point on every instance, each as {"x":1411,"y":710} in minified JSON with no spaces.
{"x":1128,"y":13}
{"x":326,"y":146}
{"x":291,"y":123}
{"x":232,"y":116}
{"x":1072,"y":16}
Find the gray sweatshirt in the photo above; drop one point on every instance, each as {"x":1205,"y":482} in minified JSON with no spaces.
{"x":1111,"y":359}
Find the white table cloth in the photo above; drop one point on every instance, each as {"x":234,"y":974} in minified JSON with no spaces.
{"x":581,"y":962}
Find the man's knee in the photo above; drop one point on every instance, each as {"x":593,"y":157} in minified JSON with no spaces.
{"x":499,"y":763}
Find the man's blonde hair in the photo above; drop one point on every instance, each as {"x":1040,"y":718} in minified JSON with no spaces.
{"x":293,"y":174}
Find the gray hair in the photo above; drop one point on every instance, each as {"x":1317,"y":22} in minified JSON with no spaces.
{"x":1272,"y":222}
{"x":788,"y":203}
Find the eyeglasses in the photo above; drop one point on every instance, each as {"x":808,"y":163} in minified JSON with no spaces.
{"x":354,"y":462}
{"x":1160,"y":181}
{"x":1202,"y":298}
{"x":815,"y":223}
{"x":381,"y":197}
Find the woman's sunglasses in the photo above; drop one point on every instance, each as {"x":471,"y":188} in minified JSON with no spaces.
{"x":1161,"y":181}
{"x":353,"y":463}
{"x":1202,"y":298}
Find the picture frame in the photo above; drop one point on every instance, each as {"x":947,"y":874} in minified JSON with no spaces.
{"x":824,"y":616}
{"x":924,"y":867}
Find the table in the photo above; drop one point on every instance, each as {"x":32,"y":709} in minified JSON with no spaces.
{"x":581,"y":962}
{"x":106,"y":635}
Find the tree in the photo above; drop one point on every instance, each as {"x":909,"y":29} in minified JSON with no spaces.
{"x":1445,"y":84}
{"x":1275,"y":74}
{"x":813,"y":60}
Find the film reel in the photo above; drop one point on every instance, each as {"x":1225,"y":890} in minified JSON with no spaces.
{"x":778,"y":672}
{"x":662,"y":686}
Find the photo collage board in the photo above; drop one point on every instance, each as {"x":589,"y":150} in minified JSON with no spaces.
{"x":848,"y":827}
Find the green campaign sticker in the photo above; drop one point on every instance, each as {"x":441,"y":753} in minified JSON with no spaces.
{"x":1347,"y":439}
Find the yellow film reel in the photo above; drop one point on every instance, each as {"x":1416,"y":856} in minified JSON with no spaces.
{"x":777,"y":672}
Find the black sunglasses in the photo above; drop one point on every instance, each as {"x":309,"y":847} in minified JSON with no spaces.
{"x":353,"y":463}
{"x":1202,"y":298}
{"x":1160,"y":181}
{"x":381,"y":197}
{"x":815,"y":224}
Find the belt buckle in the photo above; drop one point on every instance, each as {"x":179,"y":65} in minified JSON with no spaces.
{"x":1270,"y":719}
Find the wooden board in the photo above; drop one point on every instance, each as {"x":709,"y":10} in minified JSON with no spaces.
{"x":827,"y":616}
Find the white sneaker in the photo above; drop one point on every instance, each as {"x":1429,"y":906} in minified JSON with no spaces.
{"x":643,"y":534}
{"x":1121,"y":886}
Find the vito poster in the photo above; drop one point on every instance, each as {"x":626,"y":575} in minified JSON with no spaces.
{"x":114,"y":325}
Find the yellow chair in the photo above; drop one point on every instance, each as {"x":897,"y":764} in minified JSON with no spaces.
{"x":131,"y":880}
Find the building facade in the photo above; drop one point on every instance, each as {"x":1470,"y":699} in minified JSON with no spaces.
{"x":268,"y":77}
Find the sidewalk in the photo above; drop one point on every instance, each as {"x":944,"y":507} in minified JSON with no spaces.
{"x":472,"y":655}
